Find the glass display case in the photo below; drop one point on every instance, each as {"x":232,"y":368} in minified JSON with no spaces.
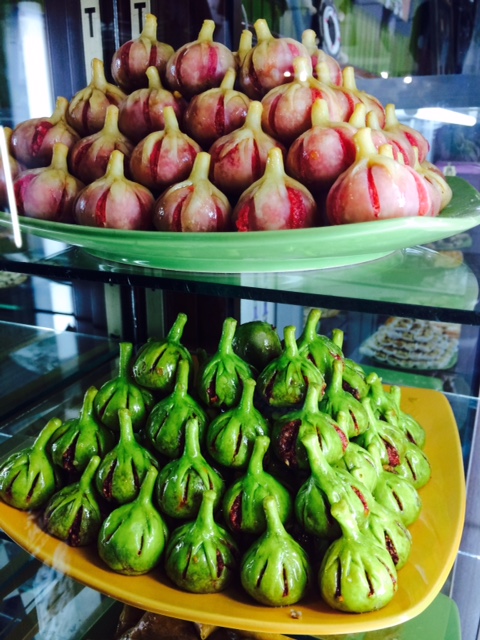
{"x":65,"y":307}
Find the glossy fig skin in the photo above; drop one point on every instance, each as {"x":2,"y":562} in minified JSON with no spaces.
{"x":31,"y":142}
{"x":164,"y":158}
{"x":309,"y":41}
{"x":142,"y":111}
{"x":28,"y":478}
{"x":275,"y":201}
{"x":132,"y":59}
{"x":411,"y":136}
{"x":48,"y":193}
{"x":73,"y":514}
{"x":88,"y":158}
{"x":114,"y":202}
{"x":87,"y":109}
{"x":194,"y":205}
{"x":239,"y":158}
{"x":269,"y":63}
{"x":199,"y":65}
{"x":216,"y":112}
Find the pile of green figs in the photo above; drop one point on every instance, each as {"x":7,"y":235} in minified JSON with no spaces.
{"x":276,"y":465}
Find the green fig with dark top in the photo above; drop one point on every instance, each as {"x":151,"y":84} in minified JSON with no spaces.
{"x":289,"y":429}
{"x":122,"y":392}
{"x":223,"y":376}
{"x":389,"y":531}
{"x":155,"y":366}
{"x":182,"y":482}
{"x":354,"y":377}
{"x":73,"y":514}
{"x":382,"y":440}
{"x":28,"y":478}
{"x":231,"y":435}
{"x":322,"y":351}
{"x":243,"y":501}
{"x":326,"y":486}
{"x":201,"y":556}
{"x":398,"y":495}
{"x":133,"y":536}
{"x":363,"y":467}
{"x":357,"y":575}
{"x":275,"y":570}
{"x":257,"y":342}
{"x":165,"y":429}
{"x":123,"y":469}
{"x":337,"y":400}
{"x":284,"y":382}
{"x":81,"y":438}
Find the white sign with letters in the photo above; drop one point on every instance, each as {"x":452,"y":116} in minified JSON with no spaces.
{"x":92,"y":33}
{"x":138,"y":10}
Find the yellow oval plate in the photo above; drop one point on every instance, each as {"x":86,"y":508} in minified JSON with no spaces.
{"x":436,"y":539}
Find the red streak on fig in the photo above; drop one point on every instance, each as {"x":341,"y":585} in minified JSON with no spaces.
{"x":212,"y":62}
{"x":392,"y":452}
{"x":85,"y":113}
{"x":271,"y":114}
{"x":424,"y":200}
{"x":146,"y":114}
{"x":351,"y":105}
{"x":178,"y":66}
{"x":342,"y":437}
{"x":256,"y":164}
{"x":177,"y":214}
{"x":411,"y":138}
{"x":245,"y":214}
{"x":297,"y":209}
{"x":152,"y":60}
{"x":362,"y":499}
{"x":39,"y":136}
{"x":316,"y":94}
{"x":252,"y":73}
{"x":220,"y":116}
{"x":81,"y":153}
{"x":101,"y":209}
{"x":154,"y":157}
{"x":373,"y":193}
{"x":61,"y":203}
{"x":20,"y":186}
{"x":124,"y":57}
{"x":348,"y":148}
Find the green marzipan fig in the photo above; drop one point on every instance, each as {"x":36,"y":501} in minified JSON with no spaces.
{"x":411,"y":428}
{"x":28,"y":478}
{"x":288,"y":430}
{"x":414,"y":466}
{"x":357,"y":575}
{"x":389,"y":531}
{"x":275,"y":570}
{"x":385,"y":443}
{"x":123,"y":469}
{"x":223,"y":376}
{"x":398,"y":495}
{"x":165,"y":429}
{"x":122,"y":392}
{"x":231,"y":435}
{"x":284,"y":382}
{"x":243,"y":501}
{"x":322,"y":351}
{"x":81,"y":438}
{"x":363,"y":467}
{"x":201,"y":556}
{"x":326,"y":486}
{"x":337,"y":400}
{"x":155,"y":367}
{"x":73,"y":513}
{"x":182,"y":482}
{"x":354,"y":377}
{"x":133,"y":536}
{"x":257,"y":342}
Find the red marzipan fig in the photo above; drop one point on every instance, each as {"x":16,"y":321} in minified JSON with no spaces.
{"x":240,"y":157}
{"x":411,"y":135}
{"x":309,"y":41}
{"x":323,"y":152}
{"x":440,"y":190}
{"x":287,"y":109}
{"x":48,"y":193}
{"x":131,"y":61}
{"x":194,"y":204}
{"x":199,"y":65}
{"x":269,"y":63}
{"x":370,"y":102}
{"x":164,"y":158}
{"x":14,"y":168}
{"x":275,"y":202}
{"x":216,"y":112}
{"x":377,"y":187}
{"x":32,"y":141}
{"x":400,"y":146}
{"x":141,"y":112}
{"x":89,"y":157}
{"x":115,"y":202}
{"x":87,"y":109}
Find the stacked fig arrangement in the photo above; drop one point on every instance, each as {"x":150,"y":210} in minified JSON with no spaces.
{"x":205,"y":139}
{"x":276,"y":466}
